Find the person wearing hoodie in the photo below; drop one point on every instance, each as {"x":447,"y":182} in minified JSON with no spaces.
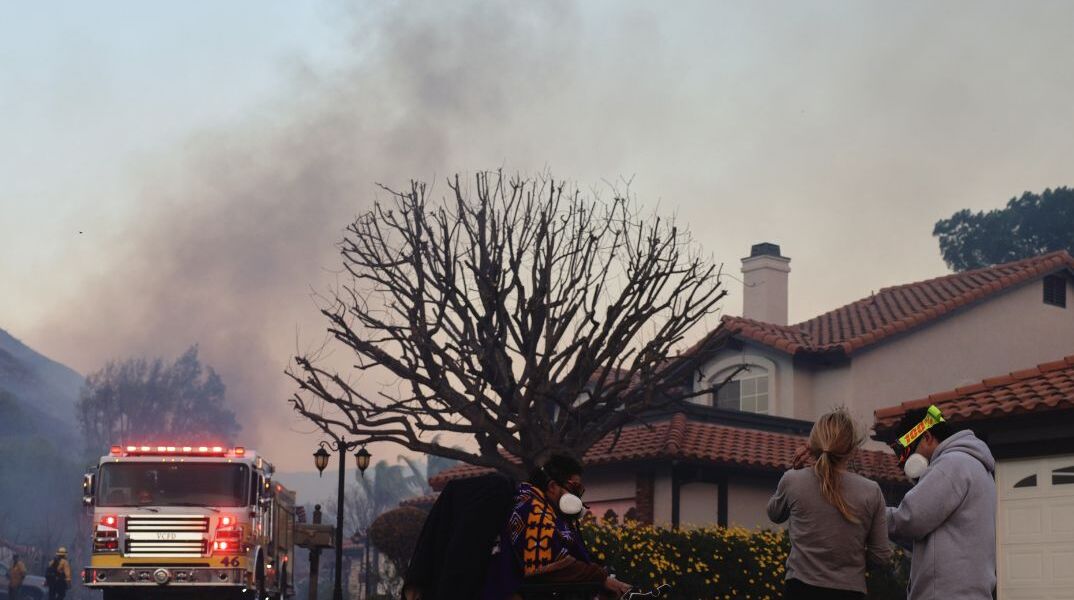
{"x":949,"y":516}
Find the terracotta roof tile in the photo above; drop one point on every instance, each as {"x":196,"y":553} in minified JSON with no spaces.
{"x":1049,"y":386}
{"x":423,"y":502}
{"x":896,"y":309}
{"x":1025,"y":373}
{"x":682,"y":439}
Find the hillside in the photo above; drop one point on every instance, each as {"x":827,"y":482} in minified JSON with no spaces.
{"x":44,"y":390}
{"x":40,"y":446}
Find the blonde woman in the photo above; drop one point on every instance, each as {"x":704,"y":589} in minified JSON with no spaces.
{"x":837,"y":518}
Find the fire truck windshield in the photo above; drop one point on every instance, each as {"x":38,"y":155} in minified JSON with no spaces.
{"x":172,"y":484}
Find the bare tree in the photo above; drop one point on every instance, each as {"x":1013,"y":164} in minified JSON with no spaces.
{"x":516,"y":311}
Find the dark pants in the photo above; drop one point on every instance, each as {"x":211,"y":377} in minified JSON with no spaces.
{"x":796,"y":590}
{"x":13,"y":592}
{"x":57,"y":592}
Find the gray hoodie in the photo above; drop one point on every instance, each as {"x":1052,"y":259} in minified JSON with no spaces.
{"x":950,"y":517}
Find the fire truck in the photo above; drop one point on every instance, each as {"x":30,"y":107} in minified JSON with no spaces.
{"x":189,"y":521}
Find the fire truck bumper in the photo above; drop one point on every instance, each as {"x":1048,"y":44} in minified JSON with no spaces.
{"x":145,"y":577}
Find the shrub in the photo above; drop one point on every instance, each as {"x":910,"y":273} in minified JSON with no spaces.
{"x":395,"y":533}
{"x":712,"y":562}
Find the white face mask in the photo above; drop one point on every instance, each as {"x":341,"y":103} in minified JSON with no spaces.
{"x":570,"y":505}
{"x":915,"y":465}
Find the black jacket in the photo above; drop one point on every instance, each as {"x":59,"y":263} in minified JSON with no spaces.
{"x":453,"y":551}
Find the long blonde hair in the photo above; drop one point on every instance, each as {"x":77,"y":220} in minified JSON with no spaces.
{"x":831,"y":442}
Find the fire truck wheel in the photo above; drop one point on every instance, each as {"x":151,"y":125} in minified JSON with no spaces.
{"x":260,"y":576}
{"x":283,"y":582}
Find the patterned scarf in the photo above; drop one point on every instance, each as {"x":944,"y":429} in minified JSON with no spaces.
{"x":539,"y":535}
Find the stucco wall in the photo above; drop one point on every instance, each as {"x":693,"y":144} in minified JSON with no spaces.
{"x":1012,"y":331}
{"x":662,"y":498}
{"x":822,"y":390}
{"x":747,"y":501}
{"x":698,"y":504}
{"x":610,"y":487}
{"x":609,"y":483}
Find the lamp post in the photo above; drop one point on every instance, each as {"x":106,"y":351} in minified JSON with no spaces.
{"x":320,"y":460}
{"x":315,"y":555}
{"x":365,"y":566}
{"x":362,"y":457}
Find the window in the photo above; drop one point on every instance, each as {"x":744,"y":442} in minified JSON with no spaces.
{"x":255,"y":489}
{"x":1055,"y":291}
{"x":171,"y":484}
{"x":1063,"y":476}
{"x":1025,"y":482}
{"x":748,"y":393}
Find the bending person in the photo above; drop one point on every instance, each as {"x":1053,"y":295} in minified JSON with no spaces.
{"x":541,"y":543}
{"x":837,"y":519}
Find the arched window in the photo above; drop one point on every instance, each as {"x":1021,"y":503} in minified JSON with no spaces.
{"x":748,"y":391}
{"x":1027,"y":482}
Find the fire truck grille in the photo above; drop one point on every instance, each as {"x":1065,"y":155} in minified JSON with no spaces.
{"x":166,"y":535}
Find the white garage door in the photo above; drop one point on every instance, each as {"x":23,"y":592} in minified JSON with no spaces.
{"x":1036,"y":528}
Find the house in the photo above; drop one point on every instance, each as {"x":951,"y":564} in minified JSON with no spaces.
{"x":718,"y":460}
{"x":901,"y":342}
{"x":1027,"y":419}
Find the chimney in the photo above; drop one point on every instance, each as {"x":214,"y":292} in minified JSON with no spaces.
{"x":764,"y":275}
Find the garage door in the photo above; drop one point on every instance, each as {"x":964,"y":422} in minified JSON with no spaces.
{"x":1036,"y":528}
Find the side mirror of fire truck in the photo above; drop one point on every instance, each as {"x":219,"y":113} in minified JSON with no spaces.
{"x":88,"y":483}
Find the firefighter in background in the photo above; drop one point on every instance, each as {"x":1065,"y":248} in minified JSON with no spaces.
{"x":15,"y":576}
{"x":58,"y":575}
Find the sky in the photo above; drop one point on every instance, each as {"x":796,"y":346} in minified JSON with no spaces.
{"x":179,"y":173}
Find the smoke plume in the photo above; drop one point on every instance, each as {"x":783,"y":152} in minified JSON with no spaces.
{"x":841,"y":131}
{"x":232,"y":240}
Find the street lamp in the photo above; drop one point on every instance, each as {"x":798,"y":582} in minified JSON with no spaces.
{"x":361,"y":458}
{"x":320,"y":460}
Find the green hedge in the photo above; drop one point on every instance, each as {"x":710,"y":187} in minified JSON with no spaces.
{"x":713,"y":562}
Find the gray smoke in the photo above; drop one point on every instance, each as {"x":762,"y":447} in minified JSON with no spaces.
{"x":841,"y":131}
{"x":230,"y":242}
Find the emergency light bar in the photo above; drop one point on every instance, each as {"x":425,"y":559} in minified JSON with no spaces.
{"x":132,"y":450}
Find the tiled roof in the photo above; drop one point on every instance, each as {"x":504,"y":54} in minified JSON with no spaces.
{"x":423,"y":502}
{"x":896,"y":309}
{"x":681,"y":439}
{"x":1049,"y":386}
{"x":464,"y":471}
